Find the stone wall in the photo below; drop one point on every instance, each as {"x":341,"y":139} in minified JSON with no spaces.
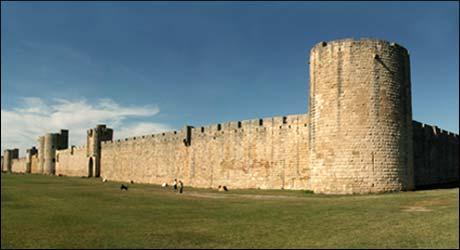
{"x":72,"y":162}
{"x":270,"y":153}
{"x":435,"y":155}
{"x":19,"y":165}
{"x":34,"y":166}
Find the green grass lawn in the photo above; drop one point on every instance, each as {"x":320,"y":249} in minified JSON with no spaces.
{"x":66,"y":212}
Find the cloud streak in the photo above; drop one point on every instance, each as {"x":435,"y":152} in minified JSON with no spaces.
{"x":21,"y":126}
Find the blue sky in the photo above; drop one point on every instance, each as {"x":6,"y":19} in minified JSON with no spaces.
{"x":146,"y":67}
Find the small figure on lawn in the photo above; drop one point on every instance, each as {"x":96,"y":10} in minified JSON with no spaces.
{"x":181,"y":186}
{"x":175,"y":185}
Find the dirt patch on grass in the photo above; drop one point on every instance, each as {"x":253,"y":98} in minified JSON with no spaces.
{"x":427,"y":205}
{"x":437,"y":202}
{"x":206,"y":195}
{"x":416,"y":209}
{"x":246,"y":196}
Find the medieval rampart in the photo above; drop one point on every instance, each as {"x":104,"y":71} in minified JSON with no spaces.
{"x":72,"y":161}
{"x":262,"y":153}
{"x":19,"y":165}
{"x":435,"y":155}
{"x":34,"y":166}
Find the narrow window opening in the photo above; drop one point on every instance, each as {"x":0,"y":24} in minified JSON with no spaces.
{"x":261,"y":122}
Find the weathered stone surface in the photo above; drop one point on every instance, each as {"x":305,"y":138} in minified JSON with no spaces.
{"x":360,"y":117}
{"x":435,"y":155}
{"x":72,"y":162}
{"x":271,"y":155}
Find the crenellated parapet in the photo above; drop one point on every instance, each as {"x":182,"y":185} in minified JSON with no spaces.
{"x":436,"y":155}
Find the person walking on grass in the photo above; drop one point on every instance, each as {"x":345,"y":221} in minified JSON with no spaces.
{"x":181,"y":186}
{"x":175,"y":185}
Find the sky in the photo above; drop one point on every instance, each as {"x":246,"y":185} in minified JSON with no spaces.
{"x":149,"y":67}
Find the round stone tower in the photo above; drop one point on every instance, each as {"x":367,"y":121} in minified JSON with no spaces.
{"x":7,"y":157}
{"x":360,"y":117}
{"x":41,"y":154}
{"x":50,"y":144}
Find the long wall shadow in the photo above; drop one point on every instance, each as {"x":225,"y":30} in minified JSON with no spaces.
{"x":438,"y":186}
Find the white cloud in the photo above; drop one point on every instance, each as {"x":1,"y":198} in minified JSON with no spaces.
{"x":140,"y":129}
{"x":22,"y":126}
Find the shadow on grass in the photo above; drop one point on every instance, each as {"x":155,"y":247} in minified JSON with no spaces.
{"x":438,"y":186}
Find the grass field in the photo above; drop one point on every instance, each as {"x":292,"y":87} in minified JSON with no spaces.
{"x":65,"y":212}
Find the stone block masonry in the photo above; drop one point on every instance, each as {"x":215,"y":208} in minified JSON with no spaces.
{"x":19,"y":165}
{"x":358,"y":137}
{"x":73,"y":162}
{"x":361,"y":117}
{"x":8,"y":156}
{"x":270,"y":153}
{"x":435,"y":155}
{"x":48,"y":146}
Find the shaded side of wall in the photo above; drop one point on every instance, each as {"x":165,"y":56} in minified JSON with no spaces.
{"x":19,"y":165}
{"x":72,"y":162}
{"x":270,"y":153}
{"x":435,"y":155}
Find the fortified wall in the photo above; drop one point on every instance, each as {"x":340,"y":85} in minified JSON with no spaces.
{"x":435,"y":155}
{"x":358,"y":137}
{"x":269,"y":153}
